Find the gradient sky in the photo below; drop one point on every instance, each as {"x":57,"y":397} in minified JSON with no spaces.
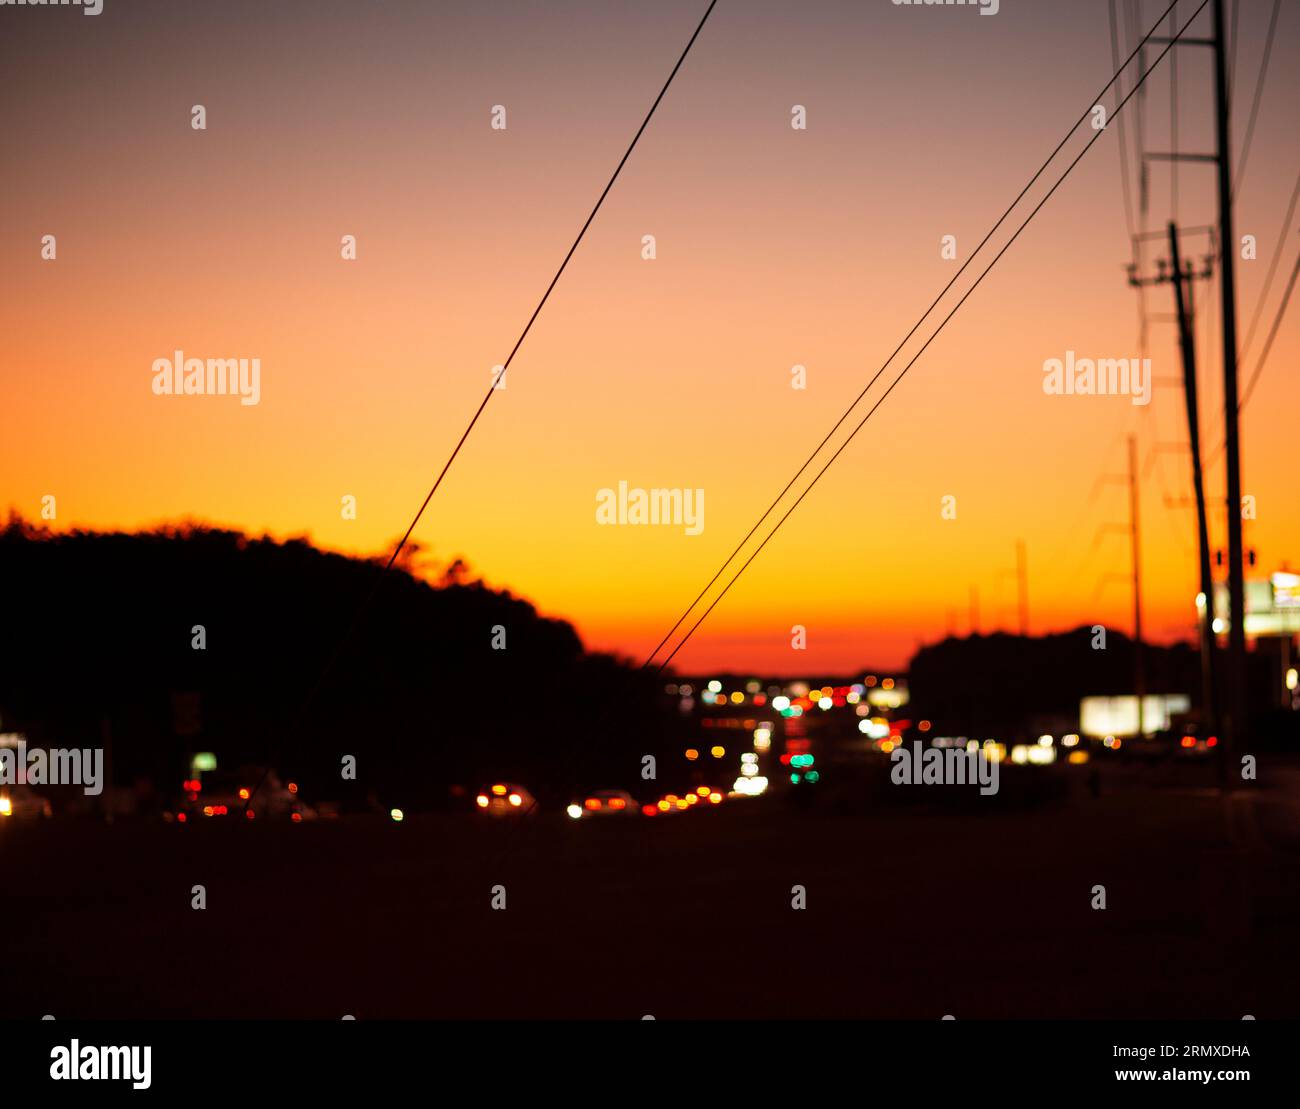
{"x":775,"y":247}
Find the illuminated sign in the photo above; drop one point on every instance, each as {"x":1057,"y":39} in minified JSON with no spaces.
{"x":1272,"y":605}
{"x":1286,"y":590}
{"x":1111,"y":716}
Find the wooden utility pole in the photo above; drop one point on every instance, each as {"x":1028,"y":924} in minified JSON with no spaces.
{"x":1236,"y":714}
{"x":1139,"y":661}
{"x":1187,"y":344}
{"x":1173,"y":272}
{"x":1233,"y":711}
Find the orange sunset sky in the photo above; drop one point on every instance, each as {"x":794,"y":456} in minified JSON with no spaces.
{"x":775,"y":247}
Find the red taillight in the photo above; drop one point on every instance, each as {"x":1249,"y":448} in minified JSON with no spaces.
{"x":617,"y":803}
{"x":181,"y":817}
{"x":1188,"y":741}
{"x":249,"y":813}
{"x":592,"y":803}
{"x":296,"y":818}
{"x":1213,"y":741}
{"x":649,"y":810}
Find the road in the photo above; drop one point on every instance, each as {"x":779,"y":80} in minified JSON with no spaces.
{"x":913,"y":911}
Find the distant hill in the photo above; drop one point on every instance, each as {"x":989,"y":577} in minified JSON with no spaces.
{"x":996,"y":684}
{"x":97,"y":642}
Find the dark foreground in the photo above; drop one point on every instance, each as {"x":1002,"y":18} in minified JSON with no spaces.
{"x":912,"y":912}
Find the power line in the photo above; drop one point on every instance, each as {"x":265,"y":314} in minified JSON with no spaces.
{"x":1173,"y":123}
{"x":1232,"y":60}
{"x":1138,"y":243}
{"x":1259,"y":91}
{"x":1259,"y":310}
{"x":1272,"y":266}
{"x":1272,"y":334}
{"x":915,"y":327}
{"x":369,"y":599}
{"x":1123,"y":141}
{"x":554,"y":280}
{"x":1144,"y":180}
{"x":1214,"y":456}
{"x":812,"y":457}
{"x":933,"y":336}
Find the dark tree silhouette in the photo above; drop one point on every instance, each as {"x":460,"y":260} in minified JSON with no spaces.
{"x":97,"y":642}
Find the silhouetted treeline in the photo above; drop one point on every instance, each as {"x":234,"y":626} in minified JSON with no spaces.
{"x":997,"y":684}
{"x":98,"y":649}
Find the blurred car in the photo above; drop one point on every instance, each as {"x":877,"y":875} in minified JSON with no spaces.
{"x":22,"y":803}
{"x":506,"y":799}
{"x":605,"y":802}
{"x":702,"y":797}
{"x":229,"y":795}
{"x":1190,"y":740}
{"x":1197,"y":743}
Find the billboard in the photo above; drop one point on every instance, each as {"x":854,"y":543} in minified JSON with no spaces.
{"x":1109,"y":716}
{"x":1272,"y":605}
